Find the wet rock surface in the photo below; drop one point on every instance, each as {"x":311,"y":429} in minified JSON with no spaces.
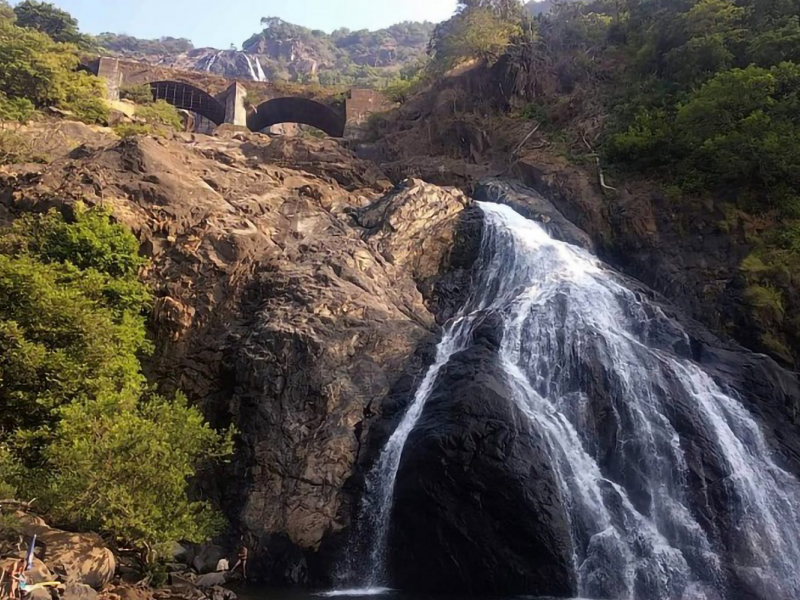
{"x":476,"y":506}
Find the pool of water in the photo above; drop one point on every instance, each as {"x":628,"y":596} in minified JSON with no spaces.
{"x":365,"y":594}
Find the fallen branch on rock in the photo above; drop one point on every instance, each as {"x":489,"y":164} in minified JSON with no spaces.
{"x":17,"y":504}
{"x":525,"y":139}
{"x":599,"y":166}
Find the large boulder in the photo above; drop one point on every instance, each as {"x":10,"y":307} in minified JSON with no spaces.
{"x":205,"y":561}
{"x":476,"y":507}
{"x":80,"y":557}
{"x":78,"y":591}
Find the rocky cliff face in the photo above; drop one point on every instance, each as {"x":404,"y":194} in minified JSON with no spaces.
{"x":283,"y":305}
{"x":299,"y":296}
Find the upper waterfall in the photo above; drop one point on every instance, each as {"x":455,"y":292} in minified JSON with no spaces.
{"x":667,"y":484}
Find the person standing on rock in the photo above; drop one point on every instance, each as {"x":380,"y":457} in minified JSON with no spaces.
{"x":16,"y":575}
{"x":242,"y":559}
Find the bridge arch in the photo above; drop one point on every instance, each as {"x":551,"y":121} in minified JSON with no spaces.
{"x":297,"y":110}
{"x":186,"y":96}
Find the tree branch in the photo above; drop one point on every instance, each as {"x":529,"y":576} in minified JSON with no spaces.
{"x":599,"y":166}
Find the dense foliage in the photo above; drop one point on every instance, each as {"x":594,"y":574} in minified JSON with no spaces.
{"x":480,"y":29}
{"x":6,"y":12}
{"x":78,"y":427}
{"x":36,"y":71}
{"x":132,"y":46}
{"x":703,"y":95}
{"x":59,"y":25}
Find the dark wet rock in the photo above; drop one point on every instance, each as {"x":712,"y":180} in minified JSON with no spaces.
{"x":532,"y":205}
{"x":477,"y":508}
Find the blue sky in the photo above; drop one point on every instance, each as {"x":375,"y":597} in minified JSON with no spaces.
{"x":224,"y":22}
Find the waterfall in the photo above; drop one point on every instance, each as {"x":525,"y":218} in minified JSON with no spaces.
{"x":375,"y":511}
{"x":635,"y":520}
{"x":260,"y":70}
{"x":211,"y":61}
{"x":253,"y":75}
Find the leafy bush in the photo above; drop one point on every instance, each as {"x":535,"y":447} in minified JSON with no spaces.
{"x":160,"y":113}
{"x":78,"y":428}
{"x":91,"y":241}
{"x":159,"y":118}
{"x":18,"y":110}
{"x":129,"y":130}
{"x":140,"y":494}
{"x":139,"y":94}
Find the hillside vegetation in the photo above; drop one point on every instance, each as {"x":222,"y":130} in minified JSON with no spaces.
{"x":291,"y":53}
{"x":701,"y":96}
{"x":81,"y":429}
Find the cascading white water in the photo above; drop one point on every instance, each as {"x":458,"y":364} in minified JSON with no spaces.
{"x":375,"y":512}
{"x":253,"y":75}
{"x":633,"y":516}
{"x":259,"y":70}
{"x":561,"y":305}
{"x":212,"y":61}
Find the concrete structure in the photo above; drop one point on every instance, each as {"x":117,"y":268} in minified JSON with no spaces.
{"x":218,"y":100}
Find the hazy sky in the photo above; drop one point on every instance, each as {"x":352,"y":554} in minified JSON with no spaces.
{"x":224,"y":22}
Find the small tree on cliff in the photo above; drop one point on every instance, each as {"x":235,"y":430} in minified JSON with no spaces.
{"x":474,"y":32}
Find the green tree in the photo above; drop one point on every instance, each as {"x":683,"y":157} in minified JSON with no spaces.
{"x":35,"y":68}
{"x":474,"y":33}
{"x":66,"y":333}
{"x":58,"y":24}
{"x":743,"y":128}
{"x":125,"y":469}
{"x":78,"y":428}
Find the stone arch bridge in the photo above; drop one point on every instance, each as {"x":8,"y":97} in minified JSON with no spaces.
{"x":219,"y":100}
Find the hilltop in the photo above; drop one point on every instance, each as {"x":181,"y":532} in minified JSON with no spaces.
{"x":286,"y":52}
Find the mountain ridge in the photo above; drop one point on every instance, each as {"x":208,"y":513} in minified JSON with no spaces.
{"x":284,"y":51}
